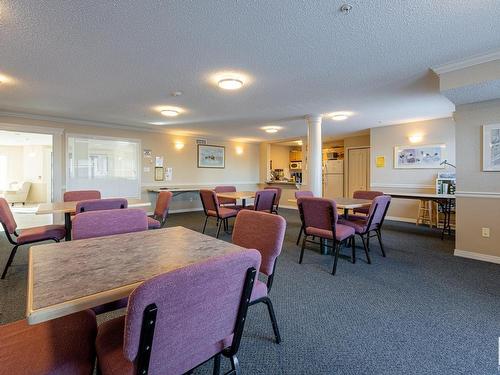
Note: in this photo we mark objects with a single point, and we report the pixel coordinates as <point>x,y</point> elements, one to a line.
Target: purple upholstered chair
<point>61,346</point>
<point>365,194</point>
<point>161,210</point>
<point>226,201</point>
<point>81,195</point>
<point>302,194</point>
<point>371,225</point>
<point>105,223</point>
<point>28,235</point>
<point>264,200</point>
<point>319,219</point>
<point>212,208</point>
<point>180,319</point>
<point>100,204</point>
<point>264,232</point>
<point>277,198</point>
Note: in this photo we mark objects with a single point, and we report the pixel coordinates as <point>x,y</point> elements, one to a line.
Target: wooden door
<point>358,170</point>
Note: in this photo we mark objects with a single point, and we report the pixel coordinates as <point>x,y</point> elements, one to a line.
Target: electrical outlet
<point>485,232</point>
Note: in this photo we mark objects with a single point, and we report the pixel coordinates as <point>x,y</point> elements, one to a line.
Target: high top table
<point>69,208</point>
<point>67,277</point>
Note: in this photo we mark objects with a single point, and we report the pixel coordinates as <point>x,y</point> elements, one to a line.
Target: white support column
<point>314,157</point>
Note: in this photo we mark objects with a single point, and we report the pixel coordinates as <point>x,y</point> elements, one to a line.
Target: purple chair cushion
<point>303,194</point>
<point>262,231</point>
<point>359,225</point>
<point>6,216</point>
<point>60,346</point>
<point>316,212</point>
<point>378,210</point>
<point>224,212</point>
<point>341,232</point>
<point>45,232</point>
<point>278,194</point>
<point>264,200</point>
<point>209,200</point>
<point>365,194</point>
<point>162,204</point>
<point>104,223</point>
<point>81,195</point>
<point>197,309</point>
<point>259,290</point>
<point>100,204</point>
<point>226,189</point>
<point>153,224</point>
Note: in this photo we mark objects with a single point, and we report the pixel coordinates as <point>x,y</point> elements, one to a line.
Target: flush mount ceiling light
<point>169,112</point>
<point>230,84</point>
<point>340,116</point>
<point>271,129</point>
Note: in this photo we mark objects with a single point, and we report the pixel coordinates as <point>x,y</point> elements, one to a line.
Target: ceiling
<point>113,62</point>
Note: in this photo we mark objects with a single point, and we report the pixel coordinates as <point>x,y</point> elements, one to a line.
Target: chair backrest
<point>262,231</point>
<point>319,213</point>
<point>105,223</point>
<point>303,194</point>
<point>264,200</point>
<point>6,217</point>
<point>378,210</point>
<point>278,194</point>
<point>225,189</point>
<point>81,195</point>
<point>101,204</point>
<point>197,310</point>
<point>162,204</point>
<point>365,194</point>
<point>209,200</point>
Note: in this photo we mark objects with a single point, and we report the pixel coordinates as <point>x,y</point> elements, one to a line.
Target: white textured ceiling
<point>112,61</point>
<point>480,92</point>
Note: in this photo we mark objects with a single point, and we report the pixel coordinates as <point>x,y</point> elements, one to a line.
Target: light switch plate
<point>485,232</point>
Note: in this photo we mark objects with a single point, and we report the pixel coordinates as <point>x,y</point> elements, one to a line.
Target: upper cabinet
<point>295,155</point>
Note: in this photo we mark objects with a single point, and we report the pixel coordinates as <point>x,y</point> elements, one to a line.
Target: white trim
<point>403,186</point>
<point>477,194</point>
<point>30,128</point>
<point>403,219</point>
<point>477,256</point>
<point>466,63</point>
<point>189,184</point>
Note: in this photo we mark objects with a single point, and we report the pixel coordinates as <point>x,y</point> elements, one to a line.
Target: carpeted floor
<point>419,311</point>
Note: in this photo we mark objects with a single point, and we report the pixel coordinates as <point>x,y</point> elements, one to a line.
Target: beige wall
<point>241,170</point>
<point>280,156</point>
<point>478,192</point>
<point>389,179</point>
<point>470,75</point>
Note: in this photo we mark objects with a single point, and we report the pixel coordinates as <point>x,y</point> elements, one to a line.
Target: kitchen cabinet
<point>295,155</point>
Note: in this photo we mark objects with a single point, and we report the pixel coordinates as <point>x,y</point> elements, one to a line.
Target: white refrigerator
<point>333,179</point>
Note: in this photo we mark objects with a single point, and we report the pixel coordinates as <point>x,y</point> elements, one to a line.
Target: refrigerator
<point>333,178</point>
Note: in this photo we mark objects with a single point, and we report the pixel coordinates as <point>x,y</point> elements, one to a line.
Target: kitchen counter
<point>282,183</point>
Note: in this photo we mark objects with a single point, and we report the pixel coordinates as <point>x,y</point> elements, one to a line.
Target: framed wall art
<point>210,156</point>
<point>419,157</point>
<point>491,148</point>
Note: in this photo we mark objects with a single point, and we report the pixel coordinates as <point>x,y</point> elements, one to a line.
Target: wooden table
<point>243,195</point>
<point>347,204</point>
<point>69,208</point>
<point>445,201</point>
<point>67,277</point>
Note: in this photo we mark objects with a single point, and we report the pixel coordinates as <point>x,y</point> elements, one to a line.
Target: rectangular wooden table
<point>69,208</point>
<point>243,195</point>
<point>68,277</point>
<point>346,204</point>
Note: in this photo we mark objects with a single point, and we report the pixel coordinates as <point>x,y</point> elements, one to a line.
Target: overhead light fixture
<point>158,123</point>
<point>339,116</point>
<point>271,129</point>
<point>169,112</point>
<point>230,84</point>
<point>299,142</point>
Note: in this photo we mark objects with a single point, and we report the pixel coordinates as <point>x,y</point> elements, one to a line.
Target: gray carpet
<point>418,311</point>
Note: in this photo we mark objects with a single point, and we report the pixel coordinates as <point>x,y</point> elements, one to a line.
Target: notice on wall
<point>380,161</point>
<point>159,161</point>
<point>168,174</point>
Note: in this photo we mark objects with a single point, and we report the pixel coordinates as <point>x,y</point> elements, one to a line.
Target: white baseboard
<point>403,219</point>
<point>477,256</point>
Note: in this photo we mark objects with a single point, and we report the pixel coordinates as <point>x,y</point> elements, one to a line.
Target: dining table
<point>242,195</point>
<point>68,277</point>
<point>69,209</point>
<point>346,204</point>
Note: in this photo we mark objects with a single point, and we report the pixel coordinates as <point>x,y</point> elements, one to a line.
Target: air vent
<point>201,141</point>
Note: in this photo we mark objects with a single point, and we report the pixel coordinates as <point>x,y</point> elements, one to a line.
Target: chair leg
<point>379,236</point>
<point>366,250</point>
<point>216,370</point>
<point>9,261</point>
<point>219,224</point>
<point>302,249</point>
<point>235,366</point>
<point>368,242</point>
<point>353,246</point>
<point>336,250</point>
<point>204,225</point>
<point>274,322</point>
<point>300,235</point>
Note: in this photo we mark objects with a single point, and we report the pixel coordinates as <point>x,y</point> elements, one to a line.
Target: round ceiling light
<point>271,129</point>
<point>339,117</point>
<point>230,84</point>
<point>169,112</point>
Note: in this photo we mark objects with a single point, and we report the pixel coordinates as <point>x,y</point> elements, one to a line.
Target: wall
<point>241,170</point>
<point>280,156</point>
<point>388,179</point>
<point>478,192</point>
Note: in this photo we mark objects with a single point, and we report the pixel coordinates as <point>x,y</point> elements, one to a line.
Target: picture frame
<point>211,156</point>
<point>420,156</point>
<point>158,173</point>
<point>491,148</point>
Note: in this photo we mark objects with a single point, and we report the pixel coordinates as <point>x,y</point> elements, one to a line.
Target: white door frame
<point>57,150</point>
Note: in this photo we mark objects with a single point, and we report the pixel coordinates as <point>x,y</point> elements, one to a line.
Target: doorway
<point>358,169</point>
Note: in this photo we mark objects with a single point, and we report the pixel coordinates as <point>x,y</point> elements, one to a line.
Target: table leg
<point>346,213</point>
<point>67,225</point>
<point>243,203</point>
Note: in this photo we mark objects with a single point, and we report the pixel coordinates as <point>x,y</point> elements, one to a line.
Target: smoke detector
<point>346,9</point>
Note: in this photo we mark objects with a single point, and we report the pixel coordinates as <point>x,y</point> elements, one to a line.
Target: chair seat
<point>153,223</point>
<point>358,224</point>
<point>42,233</point>
<point>109,348</point>
<point>60,346</point>
<point>259,290</point>
<point>342,232</point>
<point>224,212</point>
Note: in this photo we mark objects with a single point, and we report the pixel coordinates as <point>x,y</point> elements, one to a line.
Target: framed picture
<point>210,156</point>
<point>491,148</point>
<point>419,157</point>
<point>158,173</point>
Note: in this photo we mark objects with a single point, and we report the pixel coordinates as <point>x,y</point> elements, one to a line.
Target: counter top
<point>282,183</point>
